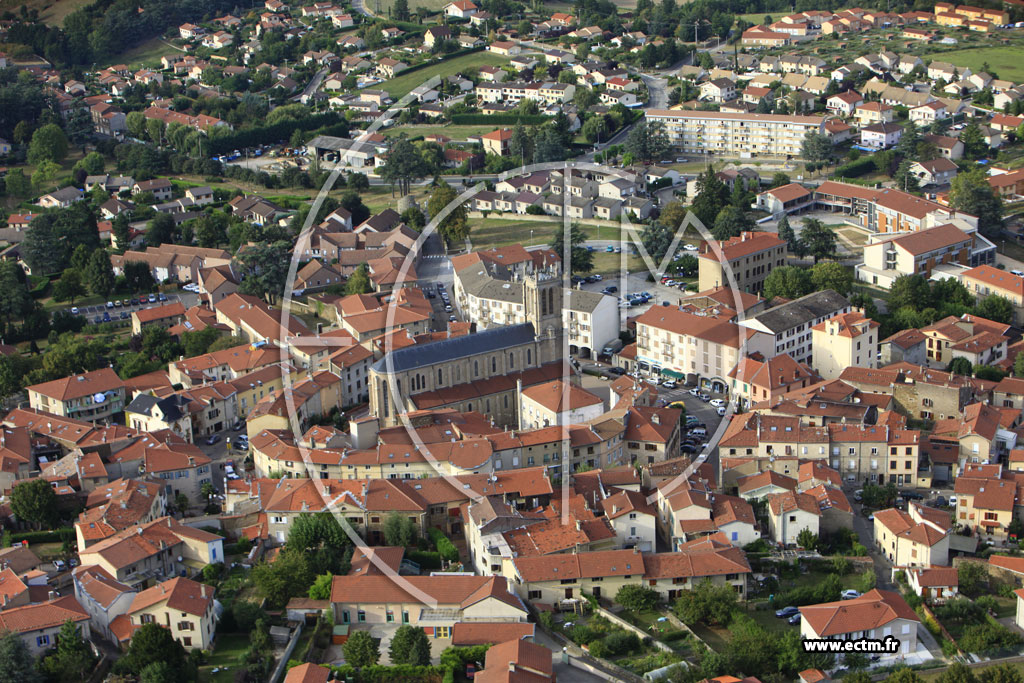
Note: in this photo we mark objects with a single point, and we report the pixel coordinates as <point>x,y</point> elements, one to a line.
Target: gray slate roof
<point>803,310</point>
<point>422,355</point>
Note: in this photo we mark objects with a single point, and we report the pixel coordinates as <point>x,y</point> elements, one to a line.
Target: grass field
<point>401,85</point>
<point>227,651</point>
<point>499,232</point>
<point>1007,62</point>
<point>52,12</point>
<point>456,133</point>
<point>146,54</point>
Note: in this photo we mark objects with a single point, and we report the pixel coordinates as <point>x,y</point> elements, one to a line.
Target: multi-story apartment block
<point>734,134</point>
<point>790,323</point>
<point>842,341</point>
<point>92,396</point>
<point>917,253</point>
<point>749,258</point>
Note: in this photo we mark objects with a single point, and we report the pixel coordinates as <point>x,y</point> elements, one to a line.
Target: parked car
<point>106,317</point>
<point>858,495</point>
<point>849,594</point>
<point>117,303</point>
<point>911,495</point>
<point>690,247</point>
<point>669,384</point>
<point>721,410</point>
<point>212,439</point>
<point>680,404</point>
<point>161,296</point>
<point>794,620</point>
<point>617,371</point>
<point>695,392</point>
<point>940,502</point>
<point>110,304</point>
<point>74,310</point>
<point>716,402</point>
<point>786,612</point>
<point>699,431</point>
<point>610,289</point>
<point>705,397</point>
<point>60,565</point>
<point>125,315</point>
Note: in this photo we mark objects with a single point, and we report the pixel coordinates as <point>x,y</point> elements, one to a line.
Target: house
<point>91,396</point>
<point>873,112</point>
<point>556,403</point>
<point>877,614</point>
<point>497,141</point>
<point>61,199</point>
<point>790,513</point>
<point>844,103</point>
<point>505,48</point>
<point>160,187</point>
<point>183,606</point>
<point>436,35</point>
<point>785,199</point>
<point>935,584</point>
<point>461,9</point>
<point>38,625</point>
<point>918,538</point>
<point>929,112</point>
<point>842,341</point>
<point>880,135</point>
<point>940,171</point>
<point>517,660</point>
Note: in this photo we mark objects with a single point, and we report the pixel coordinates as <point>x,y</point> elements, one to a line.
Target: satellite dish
<point>99,398</point>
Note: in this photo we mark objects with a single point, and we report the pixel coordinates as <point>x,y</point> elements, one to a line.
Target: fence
<point>282,665</point>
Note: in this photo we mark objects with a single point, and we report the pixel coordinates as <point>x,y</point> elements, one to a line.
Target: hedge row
<point>386,674</point>
<point>426,559</point>
<point>53,536</point>
<point>499,119</point>
<point>445,548</point>
<point>273,133</point>
<point>856,168</point>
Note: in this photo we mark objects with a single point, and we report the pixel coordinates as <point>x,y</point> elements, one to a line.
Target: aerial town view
<point>507,341</point>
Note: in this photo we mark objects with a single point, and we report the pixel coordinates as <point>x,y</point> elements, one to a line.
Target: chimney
<point>51,595</point>
<point>202,589</point>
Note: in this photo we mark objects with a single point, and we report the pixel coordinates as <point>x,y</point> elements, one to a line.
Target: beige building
<point>789,513</point>
<point>38,625</point>
<point>842,341</point>
<point>986,280</point>
<point>916,253</point>
<point>877,614</point>
<point>557,403</point>
<point>183,606</point>
<point>734,134</point>
<point>749,258</point>
<point>91,396</point>
<point>919,538</point>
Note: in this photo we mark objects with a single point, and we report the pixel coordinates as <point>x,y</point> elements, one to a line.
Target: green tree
<point>636,597</point>
<point>400,10</point>
<point>995,307</point>
<point>160,230</point>
<point>974,143</point>
<point>361,649</point>
<point>1001,673</point>
<point>909,291</point>
<point>402,165</point>
<point>673,215</point>
<point>786,232</point>
<point>958,672</point>
<point>818,240</point>
<point>321,588</point>
<point>264,270</point>
<point>121,229</point>
<point>38,248</point>
<point>154,643</point>
<point>454,227</point>
<point>707,603</point>
<point>832,275</point>
<point>711,196</point>
<point>17,665</point>
<point>288,577</point>
<point>34,501</point>
<point>359,281</point>
<point>904,675</point>
<point>970,192</point>
<point>788,282</point>
<point>582,258</point>
<point>905,178</point>
<point>48,144</point>
<point>17,184</point>
<point>399,530</point>
<point>410,646</point>
<point>72,659</point>
<point>807,539</point>
<point>855,661</point>
<point>595,129</point>
<point>15,300</point>
<point>135,122</point>
<point>867,580</point>
<point>99,273</point>
<point>323,541</point>
<point>816,147</point>
<point>1018,365</point>
<point>647,141</point>
<point>731,221</point>
<point>971,577</point>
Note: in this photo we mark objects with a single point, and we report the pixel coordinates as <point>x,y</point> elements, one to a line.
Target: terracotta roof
<point>181,595</point>
<point>552,395</point>
<point>43,615</point>
<point>936,576</point>
<point>485,633</point>
<point>1013,564</point>
<point>580,565</point>
<point>785,502</point>
<point>78,386</point>
<point>767,478</point>
<point>696,563</point>
<point>874,609</point>
<point>997,279</point>
<point>307,673</point>
<point>517,661</point>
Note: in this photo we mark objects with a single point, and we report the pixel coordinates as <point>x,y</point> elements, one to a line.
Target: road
<point>312,86</point>
<point>360,6</point>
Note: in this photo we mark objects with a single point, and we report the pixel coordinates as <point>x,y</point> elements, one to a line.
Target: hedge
<point>499,119</point>
<point>273,133</point>
<point>426,559</point>
<point>38,285</point>
<point>445,548</point>
<point>53,536</point>
<point>856,168</point>
<point>386,674</point>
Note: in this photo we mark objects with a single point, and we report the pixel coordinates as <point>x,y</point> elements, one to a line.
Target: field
<point>456,133</point>
<point>52,12</point>
<point>145,54</point>
<point>227,650</point>
<point>1007,62</point>
<point>401,85</point>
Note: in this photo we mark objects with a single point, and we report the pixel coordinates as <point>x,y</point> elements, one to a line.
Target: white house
<point>878,614</point>
<point>790,513</point>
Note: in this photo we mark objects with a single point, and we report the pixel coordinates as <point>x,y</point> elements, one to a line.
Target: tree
<point>72,659</point>
<point>17,665</point>
<point>121,230</point>
<point>288,577</point>
<point>910,138</point>
<point>905,178</point>
<point>674,214</point>
<point>636,597</point>
<point>819,240</point>
<point>595,129</point>
<point>970,192</point>
<point>909,291</point>
<point>38,248</point>
<point>399,530</point>
<point>359,281</point>
<point>1018,365</point>
<point>35,502</point>
<point>995,307</point>
<point>1000,673</point>
<point>160,230</point>
<point>521,144</point>
<point>99,273</point>
<point>958,672</point>
<point>832,275</point>
<point>154,643</point>
<point>807,539</point>
<point>48,144</point>
<point>321,538</point>
<point>400,10</point>
<point>647,141</point>
<point>974,143</point>
<point>904,675</point>
<point>656,239</point>
<point>971,576</point>
<point>402,165</point>
<point>730,222</point>
<point>786,232</point>
<point>321,588</point>
<point>410,646</point>
<point>135,122</point>
<point>361,649</point>
<point>353,203</point>
<point>707,603</point>
<point>712,195</point>
<point>867,580</point>
<point>816,147</point>
<point>582,258</point>
<point>855,661</point>
<point>454,227</point>
<point>15,300</point>
<point>17,184</point>
<point>788,282</point>
<point>264,270</point>
<point>138,277</point>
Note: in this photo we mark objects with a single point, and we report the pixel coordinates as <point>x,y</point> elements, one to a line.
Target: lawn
<point>226,655</point>
<point>145,54</point>
<point>498,232</point>
<point>51,12</point>
<point>456,133</point>
<point>400,85</point>
<point>1007,61</point>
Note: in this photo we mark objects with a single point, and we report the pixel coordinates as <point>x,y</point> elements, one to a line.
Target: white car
<point>849,594</point>
<point>695,392</point>
<point>690,247</point>
<point>1018,273</point>
<point>721,411</point>
<point>717,402</point>
<point>669,384</point>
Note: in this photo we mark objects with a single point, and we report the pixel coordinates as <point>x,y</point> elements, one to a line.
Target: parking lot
<point>124,307</point>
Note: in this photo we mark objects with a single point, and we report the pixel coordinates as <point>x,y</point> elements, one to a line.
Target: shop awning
<point>673,374</point>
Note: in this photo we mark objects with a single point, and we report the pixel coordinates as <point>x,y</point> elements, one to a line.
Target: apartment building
<point>735,134</point>
<point>917,253</point>
<point>749,258</point>
<point>888,210</point>
<point>183,606</point>
<point>842,341</point>
<point>697,348</point>
<point>91,396</point>
<point>916,538</point>
<point>986,280</point>
<point>790,323</point>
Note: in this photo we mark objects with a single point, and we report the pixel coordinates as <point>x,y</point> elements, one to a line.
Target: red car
<point>470,670</point>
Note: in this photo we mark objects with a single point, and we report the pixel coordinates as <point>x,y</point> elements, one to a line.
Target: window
<point>361,616</point>
<point>43,641</point>
<point>534,595</point>
<point>405,616</point>
<point>390,617</point>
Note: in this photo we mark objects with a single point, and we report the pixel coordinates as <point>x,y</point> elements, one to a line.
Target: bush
<point>424,558</point>
<point>445,548</point>
<point>636,597</point>
<point>856,168</point>
<point>53,536</point>
<point>621,642</point>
